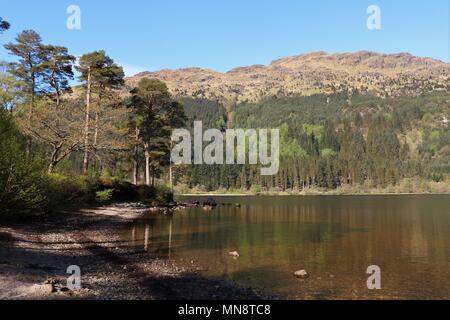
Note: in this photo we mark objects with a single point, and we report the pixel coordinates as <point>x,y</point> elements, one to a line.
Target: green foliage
<point>255,189</point>
<point>292,150</point>
<point>11,91</point>
<point>28,50</point>
<point>327,153</point>
<point>104,195</point>
<point>220,124</point>
<point>21,179</point>
<point>73,189</point>
<point>101,69</point>
<point>57,70</point>
<point>4,25</point>
<point>313,130</point>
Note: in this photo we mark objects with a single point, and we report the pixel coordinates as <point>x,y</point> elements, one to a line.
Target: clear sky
<point>152,35</point>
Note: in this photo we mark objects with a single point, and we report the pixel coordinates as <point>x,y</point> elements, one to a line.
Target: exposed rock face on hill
<point>318,72</point>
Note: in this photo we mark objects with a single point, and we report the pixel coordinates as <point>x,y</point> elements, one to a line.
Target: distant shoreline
<point>305,195</point>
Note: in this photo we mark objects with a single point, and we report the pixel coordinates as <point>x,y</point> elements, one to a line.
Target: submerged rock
<point>192,205</point>
<point>170,205</point>
<point>302,274</point>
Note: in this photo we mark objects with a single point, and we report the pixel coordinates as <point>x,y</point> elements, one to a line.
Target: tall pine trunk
<point>94,143</point>
<point>147,164</point>
<point>136,157</point>
<point>86,125</point>
<point>30,112</point>
<point>170,166</point>
<point>153,176</point>
<point>96,121</point>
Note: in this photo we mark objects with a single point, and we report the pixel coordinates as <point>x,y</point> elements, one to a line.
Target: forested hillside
<point>330,141</point>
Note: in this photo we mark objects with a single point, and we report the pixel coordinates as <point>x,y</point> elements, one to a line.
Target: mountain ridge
<point>380,74</point>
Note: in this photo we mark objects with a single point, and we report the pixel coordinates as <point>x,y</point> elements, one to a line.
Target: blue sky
<point>152,35</point>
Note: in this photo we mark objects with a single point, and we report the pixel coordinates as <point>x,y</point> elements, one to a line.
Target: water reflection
<point>146,234</point>
<point>170,237</point>
<point>334,238</point>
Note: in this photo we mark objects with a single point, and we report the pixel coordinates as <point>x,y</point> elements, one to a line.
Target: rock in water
<point>210,202</point>
<point>234,254</point>
<point>302,274</point>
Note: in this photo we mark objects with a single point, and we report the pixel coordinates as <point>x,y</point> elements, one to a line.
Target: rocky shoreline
<point>35,257</point>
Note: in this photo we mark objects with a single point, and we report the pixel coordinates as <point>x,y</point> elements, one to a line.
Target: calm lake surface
<point>334,238</point>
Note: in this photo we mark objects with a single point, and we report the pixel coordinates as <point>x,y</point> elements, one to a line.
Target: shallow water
<point>335,239</point>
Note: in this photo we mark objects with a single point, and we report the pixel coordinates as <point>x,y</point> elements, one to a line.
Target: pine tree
<point>148,98</point>
<point>99,73</point>
<point>28,49</point>
<point>57,71</point>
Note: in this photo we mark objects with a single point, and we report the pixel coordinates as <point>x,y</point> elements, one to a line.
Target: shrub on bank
<point>55,191</point>
<point>61,189</point>
<point>122,191</point>
<point>104,196</point>
<point>21,183</point>
<point>84,190</point>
